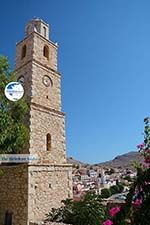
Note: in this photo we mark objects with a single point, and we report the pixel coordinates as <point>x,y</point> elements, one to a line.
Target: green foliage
<point>14,134</point>
<point>128,178</point>
<point>114,189</point>
<point>88,210</point>
<point>141,216</point>
<point>120,187</point>
<point>105,193</point>
<point>138,214</point>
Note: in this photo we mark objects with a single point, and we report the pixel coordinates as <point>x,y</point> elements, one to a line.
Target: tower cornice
<point>47,109</point>
<point>43,38</point>
<point>40,64</point>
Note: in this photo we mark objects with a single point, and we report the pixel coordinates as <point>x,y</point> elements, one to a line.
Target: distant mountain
<point>125,161</point>
<point>73,161</point>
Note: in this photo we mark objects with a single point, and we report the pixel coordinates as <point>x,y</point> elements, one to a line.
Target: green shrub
<point>105,193</point>
<point>114,189</point>
<point>87,211</point>
<point>120,187</point>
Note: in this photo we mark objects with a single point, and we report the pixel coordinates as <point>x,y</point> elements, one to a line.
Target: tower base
<point>28,192</point>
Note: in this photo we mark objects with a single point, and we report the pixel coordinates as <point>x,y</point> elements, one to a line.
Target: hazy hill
<point>124,160</point>
<point>73,161</point>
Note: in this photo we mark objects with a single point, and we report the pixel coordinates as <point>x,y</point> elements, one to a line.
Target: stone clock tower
<point>28,191</point>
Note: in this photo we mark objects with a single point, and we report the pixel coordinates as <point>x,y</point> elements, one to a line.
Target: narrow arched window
<point>24,50</point>
<point>8,218</point>
<point>48,137</point>
<point>44,28</point>
<point>21,80</point>
<point>46,51</point>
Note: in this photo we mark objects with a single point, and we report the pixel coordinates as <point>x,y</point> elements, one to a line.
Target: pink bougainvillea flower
<point>147,159</point>
<point>140,146</point>
<point>114,211</point>
<point>146,165</point>
<point>147,150</point>
<point>108,222</point>
<point>137,202</point>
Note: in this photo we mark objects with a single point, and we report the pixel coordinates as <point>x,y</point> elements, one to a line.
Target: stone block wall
<point>42,122</point>
<point>23,72</point>
<point>47,96</point>
<point>29,192</point>
<point>28,41</point>
<point>14,193</point>
<point>48,185</point>
<point>39,43</point>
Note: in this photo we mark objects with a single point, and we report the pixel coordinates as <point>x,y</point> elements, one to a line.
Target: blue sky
<point>104,59</point>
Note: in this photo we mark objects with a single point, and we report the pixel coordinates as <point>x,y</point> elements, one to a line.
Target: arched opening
<point>24,50</point>
<point>48,137</point>
<point>46,52</point>
<point>44,28</point>
<point>8,218</point>
<point>21,80</point>
<point>35,28</point>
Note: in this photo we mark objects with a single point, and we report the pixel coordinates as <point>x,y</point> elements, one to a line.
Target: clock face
<point>47,81</point>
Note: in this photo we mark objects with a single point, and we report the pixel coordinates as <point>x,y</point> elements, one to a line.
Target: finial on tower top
<point>38,25</point>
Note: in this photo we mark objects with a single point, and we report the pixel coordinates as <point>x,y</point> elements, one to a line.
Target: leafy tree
<point>128,178</point>
<point>114,189</point>
<point>14,133</point>
<point>88,210</point>
<point>105,193</point>
<point>120,187</point>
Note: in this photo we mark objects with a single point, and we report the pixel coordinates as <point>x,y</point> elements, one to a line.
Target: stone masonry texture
<point>14,193</point>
